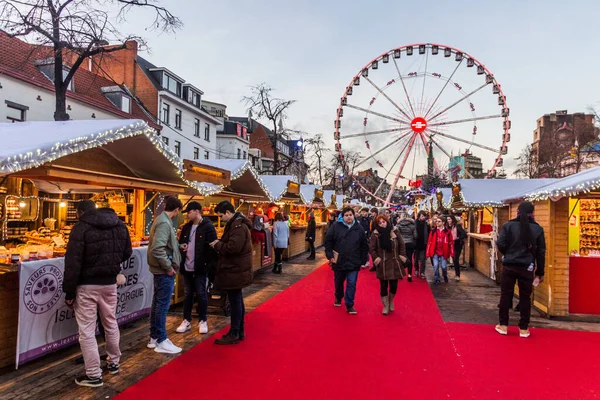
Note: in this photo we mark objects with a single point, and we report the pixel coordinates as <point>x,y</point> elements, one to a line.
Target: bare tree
<point>316,152</point>
<point>526,163</point>
<point>263,105</point>
<point>341,171</point>
<point>72,31</point>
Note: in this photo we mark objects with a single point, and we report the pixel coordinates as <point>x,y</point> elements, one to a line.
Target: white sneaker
<point>184,327</point>
<point>203,327</point>
<point>152,343</point>
<point>166,346</point>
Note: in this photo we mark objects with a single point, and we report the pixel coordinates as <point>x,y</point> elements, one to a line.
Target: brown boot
<point>386,305</point>
<point>391,301</point>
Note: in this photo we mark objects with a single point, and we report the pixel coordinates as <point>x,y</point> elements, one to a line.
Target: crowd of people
<point>393,244</point>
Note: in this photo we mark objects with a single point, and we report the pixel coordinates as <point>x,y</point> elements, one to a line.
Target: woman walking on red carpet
<point>387,248</point>
<point>441,247</point>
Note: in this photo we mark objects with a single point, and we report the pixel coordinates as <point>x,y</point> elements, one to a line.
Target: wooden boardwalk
<point>52,377</point>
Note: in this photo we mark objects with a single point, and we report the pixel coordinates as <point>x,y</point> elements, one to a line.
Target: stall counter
<point>482,248</point>
<point>298,243</point>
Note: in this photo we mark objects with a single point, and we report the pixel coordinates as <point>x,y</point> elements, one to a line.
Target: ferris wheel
<point>422,109</point>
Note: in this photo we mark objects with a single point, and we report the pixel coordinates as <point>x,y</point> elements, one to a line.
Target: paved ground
<point>472,300</point>
<point>475,300</point>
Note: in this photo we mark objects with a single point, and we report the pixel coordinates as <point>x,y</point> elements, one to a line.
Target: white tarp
<point>46,324</point>
<point>307,193</point>
<point>277,184</point>
<point>492,192</point>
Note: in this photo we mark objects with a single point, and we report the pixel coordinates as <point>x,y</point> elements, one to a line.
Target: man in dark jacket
<point>365,221</point>
<point>98,244</point>
<point>311,235</point>
<point>522,242</point>
<point>408,230</point>
<point>234,270</point>
<point>198,258</point>
<point>422,228</point>
<point>347,250</point>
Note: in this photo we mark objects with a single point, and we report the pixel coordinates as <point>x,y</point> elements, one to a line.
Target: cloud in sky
<point>544,53</point>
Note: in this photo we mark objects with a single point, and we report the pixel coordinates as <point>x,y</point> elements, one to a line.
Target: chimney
<point>118,66</point>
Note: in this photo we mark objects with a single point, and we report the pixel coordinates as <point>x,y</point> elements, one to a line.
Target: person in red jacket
<point>440,247</point>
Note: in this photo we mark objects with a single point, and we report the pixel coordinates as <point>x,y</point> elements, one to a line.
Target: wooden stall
<point>569,211</point>
<point>67,162</point>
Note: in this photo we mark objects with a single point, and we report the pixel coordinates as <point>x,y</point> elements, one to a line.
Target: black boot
<point>279,267</point>
<point>230,338</point>
<point>274,270</point>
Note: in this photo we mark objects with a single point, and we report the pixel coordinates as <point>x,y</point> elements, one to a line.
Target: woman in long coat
<point>387,248</point>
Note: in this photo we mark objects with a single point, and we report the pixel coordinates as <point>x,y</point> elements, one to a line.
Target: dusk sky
<point>543,53</point>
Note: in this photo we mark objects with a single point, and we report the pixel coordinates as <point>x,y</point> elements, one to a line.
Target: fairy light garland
<point>568,191</point>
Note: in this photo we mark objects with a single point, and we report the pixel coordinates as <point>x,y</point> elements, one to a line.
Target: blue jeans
<point>350,277</point>
<point>163,291</point>
<point>437,260</point>
<point>194,283</point>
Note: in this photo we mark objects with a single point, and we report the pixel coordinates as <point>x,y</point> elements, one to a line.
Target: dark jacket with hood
<point>205,257</point>
<point>365,222</point>
<point>98,244</point>
<point>422,229</point>
<point>514,250</point>
<point>350,243</point>
<point>234,270</point>
<point>408,230</point>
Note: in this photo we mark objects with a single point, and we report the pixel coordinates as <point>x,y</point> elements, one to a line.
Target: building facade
<point>176,104</point>
<point>232,141</point>
<point>27,89</point>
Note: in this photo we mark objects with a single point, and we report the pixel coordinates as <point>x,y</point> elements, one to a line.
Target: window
<point>239,153</point>
<point>165,140</point>
<point>177,147</point>
<point>121,101</point>
<point>48,70</point>
<point>177,118</point>
<point>166,110</point>
<point>196,127</point>
<point>15,112</point>
<point>193,98</point>
<point>206,155</point>
<point>245,155</point>
<point>171,84</point>
<point>207,132</point>
<point>196,153</point>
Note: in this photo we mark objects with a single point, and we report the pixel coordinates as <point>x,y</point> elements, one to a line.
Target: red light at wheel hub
<point>418,124</point>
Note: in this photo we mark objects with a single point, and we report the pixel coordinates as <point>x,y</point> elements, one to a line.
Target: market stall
<point>246,191</point>
<point>45,168</point>
<point>568,208</point>
<point>483,213</point>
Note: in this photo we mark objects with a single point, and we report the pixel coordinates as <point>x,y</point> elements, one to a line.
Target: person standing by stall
<point>198,258</point>
<point>440,248</point>
<point>458,236</point>
<point>98,244</point>
<point>386,247</point>
<point>408,231</point>
<point>164,260</point>
<point>347,249</point>
<point>234,270</point>
<point>311,233</point>
<point>523,245</point>
<point>281,237</point>
<point>422,228</point>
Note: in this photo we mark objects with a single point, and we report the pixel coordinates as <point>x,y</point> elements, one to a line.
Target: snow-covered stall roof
<point>307,193</point>
<point>493,192</point>
<point>244,179</point>
<point>339,200</point>
<point>582,182</point>
<point>277,184</point>
<point>327,196</point>
<point>28,145</point>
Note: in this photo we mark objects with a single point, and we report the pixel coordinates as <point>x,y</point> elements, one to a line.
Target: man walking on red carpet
<point>347,250</point>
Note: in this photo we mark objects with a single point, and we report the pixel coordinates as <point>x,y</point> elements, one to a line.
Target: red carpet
<point>301,347</point>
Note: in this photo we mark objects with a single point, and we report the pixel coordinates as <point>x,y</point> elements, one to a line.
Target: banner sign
<point>46,324</point>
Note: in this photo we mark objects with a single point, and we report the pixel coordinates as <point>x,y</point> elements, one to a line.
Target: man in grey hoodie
<point>164,259</point>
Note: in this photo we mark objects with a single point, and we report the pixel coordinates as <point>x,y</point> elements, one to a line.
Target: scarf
<point>385,237</point>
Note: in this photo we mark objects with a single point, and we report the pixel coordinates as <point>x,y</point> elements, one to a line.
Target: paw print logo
<point>45,286</point>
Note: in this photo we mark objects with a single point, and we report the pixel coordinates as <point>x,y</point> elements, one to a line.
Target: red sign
<point>415,184</point>
<point>244,132</point>
<point>418,124</point>
<point>239,130</point>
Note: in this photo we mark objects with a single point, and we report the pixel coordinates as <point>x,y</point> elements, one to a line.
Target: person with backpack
<point>458,236</point>
<point>440,248</point>
<point>523,245</point>
<point>408,230</point>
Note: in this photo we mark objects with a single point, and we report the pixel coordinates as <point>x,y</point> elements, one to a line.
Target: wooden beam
<point>197,172</point>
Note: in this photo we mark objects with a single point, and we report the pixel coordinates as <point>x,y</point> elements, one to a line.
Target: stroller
<point>217,298</point>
